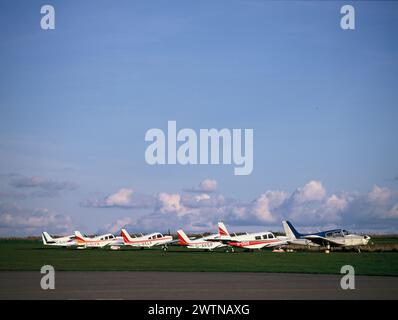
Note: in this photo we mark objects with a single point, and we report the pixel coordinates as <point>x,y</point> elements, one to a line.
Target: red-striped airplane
<point>98,241</point>
<point>206,243</point>
<point>257,240</point>
<point>146,241</point>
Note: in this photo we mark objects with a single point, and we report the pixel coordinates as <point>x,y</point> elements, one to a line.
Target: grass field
<point>30,255</point>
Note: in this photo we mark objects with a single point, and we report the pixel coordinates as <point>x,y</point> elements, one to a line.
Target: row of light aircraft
<point>222,239</point>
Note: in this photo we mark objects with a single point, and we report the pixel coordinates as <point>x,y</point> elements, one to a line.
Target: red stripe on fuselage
<point>251,243</point>
<point>148,240</point>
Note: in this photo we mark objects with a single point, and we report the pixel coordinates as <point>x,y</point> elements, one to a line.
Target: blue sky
<point>75,103</point>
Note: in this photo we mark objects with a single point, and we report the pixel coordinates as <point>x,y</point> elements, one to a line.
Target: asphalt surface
<point>193,285</point>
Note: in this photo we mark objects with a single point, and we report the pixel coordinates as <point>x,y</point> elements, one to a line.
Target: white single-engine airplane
<point>206,243</point>
<point>328,239</point>
<point>257,240</point>
<point>98,241</point>
<point>67,241</point>
<point>146,241</point>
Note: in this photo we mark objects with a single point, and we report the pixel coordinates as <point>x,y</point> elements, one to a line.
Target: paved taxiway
<point>193,285</point>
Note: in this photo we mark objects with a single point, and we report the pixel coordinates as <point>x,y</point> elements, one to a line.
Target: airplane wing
<point>174,243</point>
<point>322,241</point>
<point>222,240</point>
<point>171,243</point>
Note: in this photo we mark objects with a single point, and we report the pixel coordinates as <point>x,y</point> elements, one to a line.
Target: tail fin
<point>46,238</point>
<point>79,237</point>
<point>184,240</point>
<point>290,231</point>
<point>222,230</point>
<point>126,236</point>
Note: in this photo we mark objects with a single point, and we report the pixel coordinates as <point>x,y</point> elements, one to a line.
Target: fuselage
<point>204,243</point>
<point>341,237</point>
<point>58,242</point>
<point>257,240</point>
<point>99,241</point>
<point>149,240</point>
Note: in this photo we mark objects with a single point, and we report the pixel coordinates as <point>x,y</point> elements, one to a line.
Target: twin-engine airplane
<point>257,240</point>
<point>205,243</point>
<point>329,238</point>
<point>98,241</point>
<point>147,241</point>
<point>67,241</point>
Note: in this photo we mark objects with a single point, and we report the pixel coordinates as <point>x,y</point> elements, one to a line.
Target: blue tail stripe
<point>297,234</point>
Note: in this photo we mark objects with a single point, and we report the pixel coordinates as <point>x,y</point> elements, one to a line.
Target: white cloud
<point>268,201</point>
<point>19,221</point>
<point>202,196</point>
<point>171,203</point>
<point>312,191</point>
<point>336,203</point>
<point>379,194</point>
<point>308,206</point>
<point>122,198</point>
<point>206,186</point>
<point>119,224</point>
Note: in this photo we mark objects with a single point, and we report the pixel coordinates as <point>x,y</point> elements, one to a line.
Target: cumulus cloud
<point>379,194</point>
<point>309,206</point>
<point>312,191</point>
<point>119,224</point>
<point>171,203</point>
<point>206,186</point>
<point>125,198</point>
<point>121,198</point>
<point>268,201</point>
<point>15,220</point>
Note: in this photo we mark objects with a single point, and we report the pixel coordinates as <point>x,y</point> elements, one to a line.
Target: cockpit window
<point>159,235</point>
<point>265,236</point>
<point>345,233</point>
<point>271,236</point>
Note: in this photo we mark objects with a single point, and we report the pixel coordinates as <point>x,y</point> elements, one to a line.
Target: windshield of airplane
<point>345,233</point>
